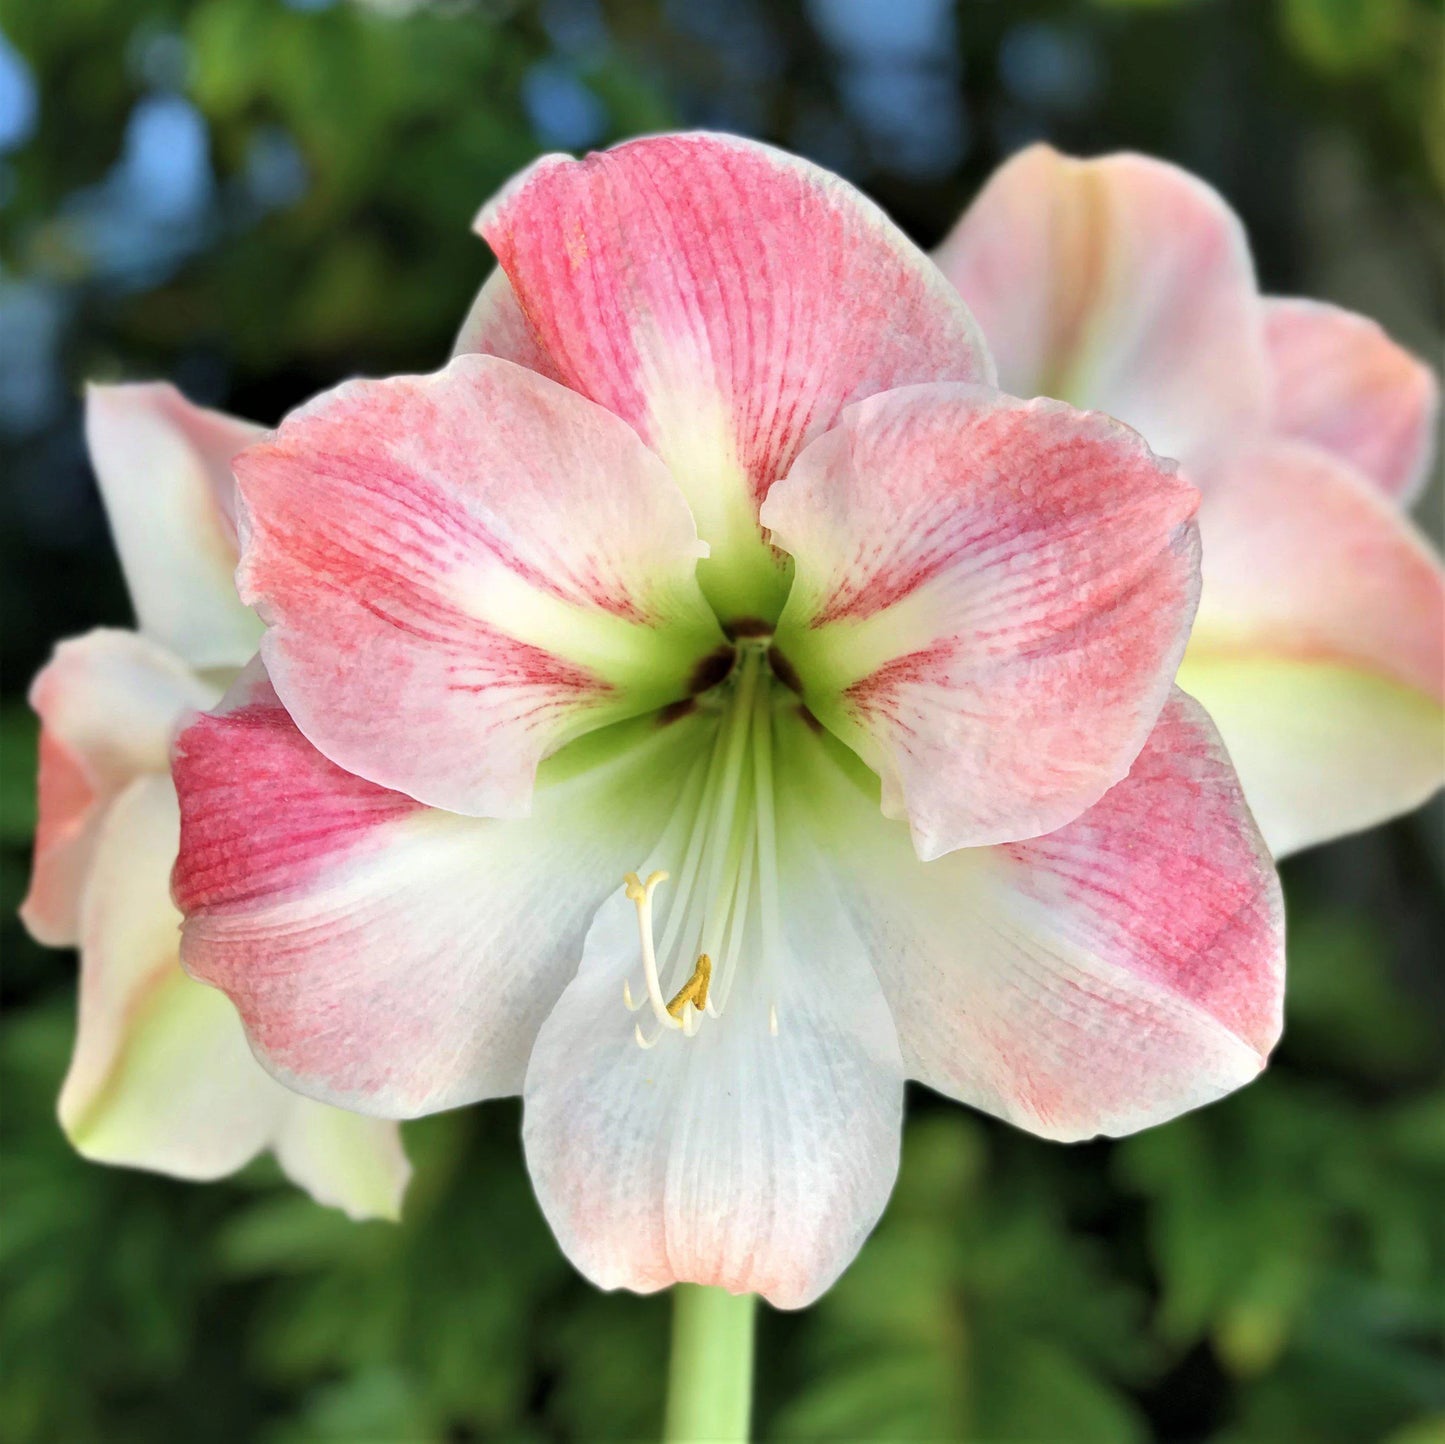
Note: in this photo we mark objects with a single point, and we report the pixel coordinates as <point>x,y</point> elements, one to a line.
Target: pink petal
<point>386,957</point>
<point>1121,283</point>
<point>164,468</point>
<point>1101,979</point>
<point>1304,558</point>
<point>744,1158</point>
<point>991,597</point>
<point>1320,644</point>
<point>161,1077</point>
<point>107,703</point>
<point>1343,384</point>
<point>728,300</point>
<point>497,326</point>
<point>462,572</point>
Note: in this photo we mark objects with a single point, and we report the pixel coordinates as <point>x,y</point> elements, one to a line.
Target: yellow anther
<point>693,991</point>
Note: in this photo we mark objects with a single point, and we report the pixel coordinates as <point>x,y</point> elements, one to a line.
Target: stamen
<point>640,893</point>
<point>728,867</point>
<point>693,993</point>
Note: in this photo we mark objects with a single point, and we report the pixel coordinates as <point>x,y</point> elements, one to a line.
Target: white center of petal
<point>723,914</point>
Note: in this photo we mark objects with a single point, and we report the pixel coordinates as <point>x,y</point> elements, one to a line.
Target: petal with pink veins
<point>161,1077</point>
<point>990,600</point>
<point>107,703</point>
<point>462,572</point>
<point>164,468</point>
<point>1101,979</point>
<point>497,326</point>
<point>1319,647</point>
<point>755,1156</point>
<point>1343,384</point>
<point>728,301</point>
<point>384,956</point>
<point>1123,284</point>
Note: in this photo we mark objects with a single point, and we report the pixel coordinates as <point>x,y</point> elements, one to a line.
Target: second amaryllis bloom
<point>161,1077</point>
<point>1126,283</point>
<point>715,624</point>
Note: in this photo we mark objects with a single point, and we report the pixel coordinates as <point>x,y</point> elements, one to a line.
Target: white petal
<point>161,1076</point>
<point>164,468</point>
<point>342,1159</point>
<point>742,1158</point>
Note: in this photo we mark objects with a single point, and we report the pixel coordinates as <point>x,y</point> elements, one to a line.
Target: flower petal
<point>341,1159</point>
<point>752,1161</point>
<point>1309,568</point>
<point>728,300</point>
<point>1322,750</point>
<point>384,956</point>
<point>1121,283</point>
<point>1343,384</point>
<point>1098,980</point>
<point>462,572</point>
<point>161,1077</point>
<point>108,702</point>
<point>1304,557</point>
<point>497,326</point>
<point>164,468</point>
<point>990,600</point>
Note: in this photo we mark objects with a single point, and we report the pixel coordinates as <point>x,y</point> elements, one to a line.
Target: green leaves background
<point>1271,1270</point>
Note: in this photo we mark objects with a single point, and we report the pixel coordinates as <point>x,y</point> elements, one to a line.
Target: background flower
<point>161,1076</point>
<point>1319,648</point>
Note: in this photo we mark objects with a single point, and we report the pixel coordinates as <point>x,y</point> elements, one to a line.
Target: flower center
<point>726,901</point>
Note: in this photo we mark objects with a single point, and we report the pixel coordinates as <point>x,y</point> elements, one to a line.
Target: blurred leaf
<point>1289,1232</point>
<point>19,730</point>
<point>1420,1431</point>
<point>1345,1006</point>
<point>974,1312</point>
<point>1346,35</point>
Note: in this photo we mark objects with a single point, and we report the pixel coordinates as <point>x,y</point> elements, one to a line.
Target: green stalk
<point>710,1379</point>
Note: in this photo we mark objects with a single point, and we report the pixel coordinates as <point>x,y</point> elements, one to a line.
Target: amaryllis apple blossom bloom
<point>1319,649</point>
<point>704,704</point>
<point>161,1077</point>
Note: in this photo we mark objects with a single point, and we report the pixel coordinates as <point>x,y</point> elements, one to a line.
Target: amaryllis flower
<point>1319,650</point>
<point>161,1077</point>
<point>707,703</point>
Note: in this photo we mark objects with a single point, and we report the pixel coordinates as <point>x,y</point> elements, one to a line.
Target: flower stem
<point>710,1381</point>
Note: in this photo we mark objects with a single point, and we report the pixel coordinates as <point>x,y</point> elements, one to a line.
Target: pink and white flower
<point>1319,650</point>
<point>714,622</point>
<point>161,1076</point>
